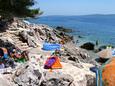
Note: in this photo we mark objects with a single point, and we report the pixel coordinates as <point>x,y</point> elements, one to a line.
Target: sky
<point>76,7</point>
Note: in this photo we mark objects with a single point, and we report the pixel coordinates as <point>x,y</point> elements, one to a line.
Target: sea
<point>91,28</point>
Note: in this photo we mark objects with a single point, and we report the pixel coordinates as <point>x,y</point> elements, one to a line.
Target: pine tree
<point>18,8</point>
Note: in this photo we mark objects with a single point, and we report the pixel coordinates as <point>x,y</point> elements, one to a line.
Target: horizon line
<point>77,15</point>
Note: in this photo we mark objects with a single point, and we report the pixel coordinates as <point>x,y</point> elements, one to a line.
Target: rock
<point>3,26</point>
<point>91,81</point>
<point>102,47</point>
<point>27,75</point>
<point>72,58</point>
<point>74,54</point>
<point>88,46</point>
<point>80,36</point>
<point>56,79</point>
<point>81,75</point>
<point>7,44</point>
<point>40,32</point>
<point>4,81</point>
<point>63,29</point>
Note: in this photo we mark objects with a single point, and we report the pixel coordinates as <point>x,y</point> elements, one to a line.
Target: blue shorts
<point>5,56</point>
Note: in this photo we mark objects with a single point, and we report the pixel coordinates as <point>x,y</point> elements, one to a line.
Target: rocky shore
<point>75,61</point>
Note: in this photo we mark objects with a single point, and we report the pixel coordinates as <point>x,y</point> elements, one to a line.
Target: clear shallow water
<point>92,27</point>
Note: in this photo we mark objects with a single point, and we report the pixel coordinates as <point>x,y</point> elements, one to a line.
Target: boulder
<point>80,36</point>
<point>27,75</point>
<point>82,76</point>
<point>4,81</point>
<point>57,79</point>
<point>88,46</point>
<point>72,53</point>
<point>102,47</point>
<point>63,29</point>
<point>91,81</point>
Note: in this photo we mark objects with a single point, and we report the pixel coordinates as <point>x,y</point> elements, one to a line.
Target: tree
<point>18,8</point>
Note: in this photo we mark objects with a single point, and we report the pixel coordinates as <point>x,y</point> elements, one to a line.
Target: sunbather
<point>15,55</point>
<point>19,56</point>
<point>4,58</point>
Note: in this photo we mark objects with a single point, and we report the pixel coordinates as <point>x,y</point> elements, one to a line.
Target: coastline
<point>73,58</point>
<point>101,30</point>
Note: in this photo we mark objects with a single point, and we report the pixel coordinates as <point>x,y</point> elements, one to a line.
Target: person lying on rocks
<point>4,58</point>
<point>15,55</point>
<point>18,56</point>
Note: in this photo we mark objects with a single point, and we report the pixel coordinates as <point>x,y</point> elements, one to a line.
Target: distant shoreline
<point>82,15</point>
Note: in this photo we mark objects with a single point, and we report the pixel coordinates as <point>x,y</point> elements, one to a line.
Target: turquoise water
<point>91,27</point>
